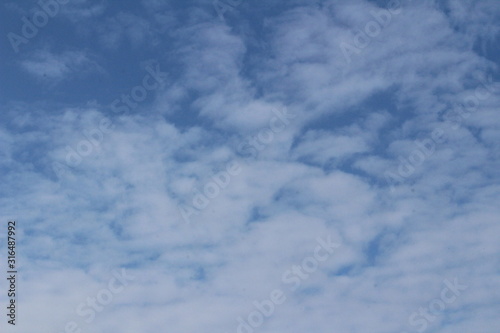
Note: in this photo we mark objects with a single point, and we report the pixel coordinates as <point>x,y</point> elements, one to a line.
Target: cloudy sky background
<point>339,167</point>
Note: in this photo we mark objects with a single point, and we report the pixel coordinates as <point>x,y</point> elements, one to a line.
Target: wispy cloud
<point>314,137</point>
<point>53,67</point>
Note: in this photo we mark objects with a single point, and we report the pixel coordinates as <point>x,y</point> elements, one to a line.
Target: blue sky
<point>243,166</point>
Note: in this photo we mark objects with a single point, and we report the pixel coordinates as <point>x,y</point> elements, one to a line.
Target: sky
<point>239,166</point>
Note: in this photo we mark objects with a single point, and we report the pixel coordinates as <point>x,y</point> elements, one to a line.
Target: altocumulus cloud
<point>418,252</point>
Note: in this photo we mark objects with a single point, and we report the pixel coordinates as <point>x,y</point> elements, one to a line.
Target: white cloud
<point>323,175</point>
<point>58,67</point>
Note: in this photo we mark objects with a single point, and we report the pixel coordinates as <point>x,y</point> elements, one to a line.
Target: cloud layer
<point>272,132</point>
